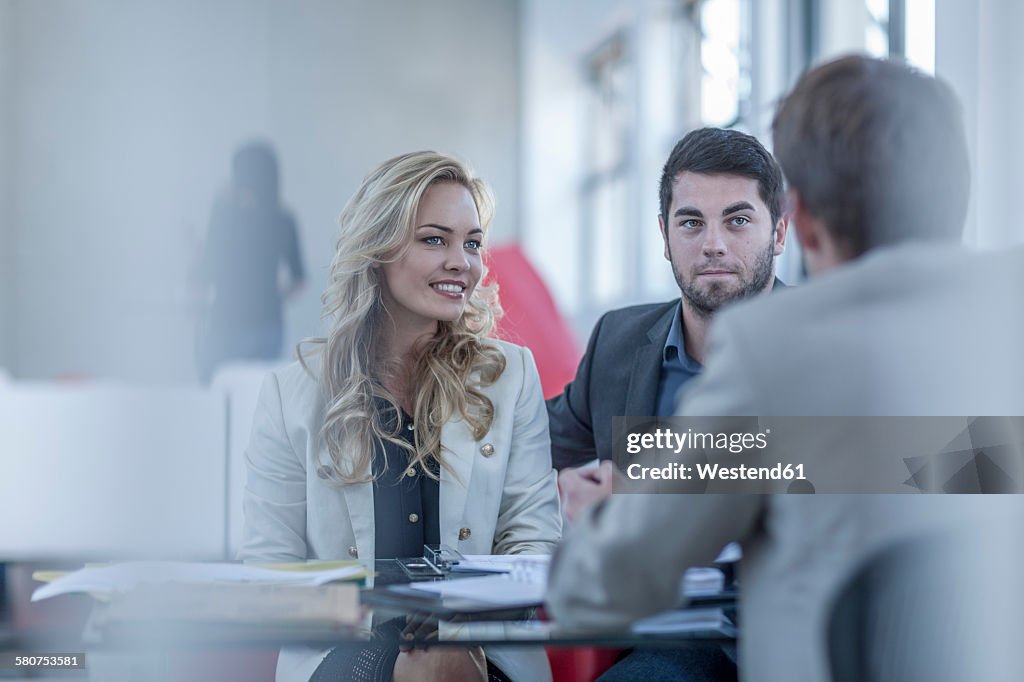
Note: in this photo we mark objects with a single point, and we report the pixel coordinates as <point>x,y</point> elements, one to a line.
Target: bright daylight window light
<point>920,45</point>
<point>720,61</point>
<point>876,33</point>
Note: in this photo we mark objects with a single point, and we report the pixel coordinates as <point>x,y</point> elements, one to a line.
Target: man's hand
<point>582,487</point>
<point>441,665</point>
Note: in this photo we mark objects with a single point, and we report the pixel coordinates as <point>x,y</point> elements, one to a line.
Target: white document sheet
<point>684,620</point>
<point>502,589</point>
<point>123,577</point>
<point>500,563</point>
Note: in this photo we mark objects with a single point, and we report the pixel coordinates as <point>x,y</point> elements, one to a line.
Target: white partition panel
<point>111,472</point>
<point>240,384</point>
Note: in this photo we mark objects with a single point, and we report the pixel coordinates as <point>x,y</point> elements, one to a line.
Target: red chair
<point>578,664</point>
<point>532,319</point>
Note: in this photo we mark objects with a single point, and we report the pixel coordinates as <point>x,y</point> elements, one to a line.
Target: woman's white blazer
<point>500,496</point>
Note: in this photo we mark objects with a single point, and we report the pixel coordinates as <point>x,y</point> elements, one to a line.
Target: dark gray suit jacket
<point>617,376</point>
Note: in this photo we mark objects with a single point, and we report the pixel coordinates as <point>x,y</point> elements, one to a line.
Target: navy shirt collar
<point>674,352</point>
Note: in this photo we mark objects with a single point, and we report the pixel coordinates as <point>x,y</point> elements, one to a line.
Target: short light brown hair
<point>877,150</point>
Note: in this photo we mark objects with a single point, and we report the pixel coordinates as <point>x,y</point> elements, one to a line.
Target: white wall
<point>101,472</point>
<point>978,52</point>
<point>6,230</point>
<point>123,116</point>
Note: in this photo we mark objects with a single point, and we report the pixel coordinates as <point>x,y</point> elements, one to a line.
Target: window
<point>606,246</point>
<point>667,69</point>
<point>725,62</point>
<point>902,28</point>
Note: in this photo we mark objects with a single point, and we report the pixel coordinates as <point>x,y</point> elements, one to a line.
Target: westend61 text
<point>716,472</point>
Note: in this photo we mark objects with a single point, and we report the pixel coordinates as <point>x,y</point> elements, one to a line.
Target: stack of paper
<point>502,590</point>
<point>500,563</point>
<point>127,576</point>
<point>686,620</point>
<point>702,582</point>
<point>521,580</point>
<point>252,605</point>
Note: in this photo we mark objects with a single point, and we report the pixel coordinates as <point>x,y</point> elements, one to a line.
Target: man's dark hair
<point>715,150</point>
<point>877,151</point>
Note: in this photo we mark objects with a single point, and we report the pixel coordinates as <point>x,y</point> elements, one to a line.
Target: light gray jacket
<point>913,330</point>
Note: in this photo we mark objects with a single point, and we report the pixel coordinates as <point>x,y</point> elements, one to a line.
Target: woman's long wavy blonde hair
<point>377,226</point>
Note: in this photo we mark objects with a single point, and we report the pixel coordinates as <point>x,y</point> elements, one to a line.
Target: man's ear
<point>781,229</point>
<point>808,228</point>
<point>664,237</point>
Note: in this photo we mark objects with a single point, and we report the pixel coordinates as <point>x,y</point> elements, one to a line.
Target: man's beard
<point>707,300</point>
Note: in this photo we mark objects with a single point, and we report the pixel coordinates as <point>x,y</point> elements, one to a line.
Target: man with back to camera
<point>898,319</point>
<point>721,219</point>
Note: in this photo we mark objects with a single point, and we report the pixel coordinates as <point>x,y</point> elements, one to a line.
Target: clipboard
<point>405,599</point>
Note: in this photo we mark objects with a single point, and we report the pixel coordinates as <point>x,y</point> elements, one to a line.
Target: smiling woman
<point>396,429</point>
<point>434,275</point>
<point>415,224</point>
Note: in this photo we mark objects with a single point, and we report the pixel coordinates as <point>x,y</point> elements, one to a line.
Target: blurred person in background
<point>406,425</point>
<point>251,263</point>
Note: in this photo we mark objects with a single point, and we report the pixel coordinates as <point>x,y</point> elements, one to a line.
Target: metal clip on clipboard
<point>437,562</point>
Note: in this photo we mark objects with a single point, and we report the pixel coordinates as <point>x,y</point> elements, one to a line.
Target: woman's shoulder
<point>519,363</point>
<point>297,383</point>
<point>515,355</point>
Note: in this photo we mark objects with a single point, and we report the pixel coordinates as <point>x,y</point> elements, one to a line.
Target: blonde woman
<point>406,424</point>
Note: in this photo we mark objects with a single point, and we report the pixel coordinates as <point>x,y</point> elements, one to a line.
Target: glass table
<point>438,624</point>
<point>154,646</point>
